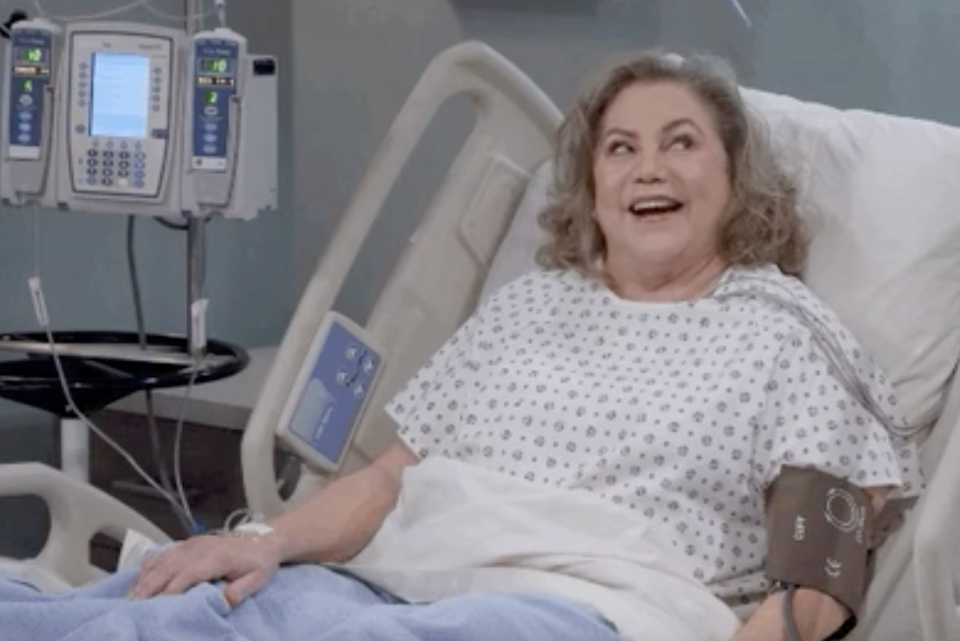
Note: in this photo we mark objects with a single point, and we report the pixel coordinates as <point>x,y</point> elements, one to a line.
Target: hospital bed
<point>880,194</point>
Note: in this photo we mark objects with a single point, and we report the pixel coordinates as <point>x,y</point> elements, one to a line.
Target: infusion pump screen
<point>120,95</point>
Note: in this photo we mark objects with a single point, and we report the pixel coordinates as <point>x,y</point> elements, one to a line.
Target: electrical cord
<point>109,13</point>
<point>789,620</point>
<point>183,514</point>
<point>174,18</point>
<point>43,319</point>
<point>830,347</point>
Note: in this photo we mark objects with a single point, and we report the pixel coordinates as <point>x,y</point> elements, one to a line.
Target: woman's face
<point>662,181</point>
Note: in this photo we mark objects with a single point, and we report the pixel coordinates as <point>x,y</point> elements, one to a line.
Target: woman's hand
<point>246,564</point>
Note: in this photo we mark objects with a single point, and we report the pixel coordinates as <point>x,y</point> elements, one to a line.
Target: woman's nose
<point>648,168</point>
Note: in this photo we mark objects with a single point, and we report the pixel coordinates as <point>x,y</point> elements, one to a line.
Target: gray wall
<point>357,60</point>
<point>83,260</point>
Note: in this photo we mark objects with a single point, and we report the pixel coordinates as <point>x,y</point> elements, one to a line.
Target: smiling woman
<point>656,135</point>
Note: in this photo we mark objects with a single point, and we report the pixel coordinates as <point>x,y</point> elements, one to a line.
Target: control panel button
<point>26,116</point>
<point>211,111</point>
<point>26,101</point>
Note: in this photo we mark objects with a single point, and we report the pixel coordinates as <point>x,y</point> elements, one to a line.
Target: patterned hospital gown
<point>683,412</point>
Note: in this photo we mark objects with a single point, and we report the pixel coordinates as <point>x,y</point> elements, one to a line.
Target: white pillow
<point>882,196</point>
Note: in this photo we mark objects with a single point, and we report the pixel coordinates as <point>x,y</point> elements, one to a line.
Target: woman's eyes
<point>619,147</point>
<point>682,142</point>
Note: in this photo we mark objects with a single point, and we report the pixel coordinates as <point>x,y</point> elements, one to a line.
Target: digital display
<point>120,95</point>
<point>214,65</point>
<point>207,81</point>
<point>26,70</point>
<point>31,54</point>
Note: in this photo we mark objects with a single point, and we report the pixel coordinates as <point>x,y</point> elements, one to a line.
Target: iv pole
<point>195,235</point>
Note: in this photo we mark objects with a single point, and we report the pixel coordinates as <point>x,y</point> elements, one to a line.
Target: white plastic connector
<point>198,320</point>
<point>39,304</point>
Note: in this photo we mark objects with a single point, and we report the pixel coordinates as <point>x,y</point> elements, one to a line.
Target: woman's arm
<point>334,525</point>
<point>817,616</point>
<point>340,520</point>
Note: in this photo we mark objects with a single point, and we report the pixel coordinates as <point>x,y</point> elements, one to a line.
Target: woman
<point>650,364</point>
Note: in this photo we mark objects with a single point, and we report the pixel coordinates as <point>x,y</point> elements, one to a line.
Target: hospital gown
<point>682,412</point>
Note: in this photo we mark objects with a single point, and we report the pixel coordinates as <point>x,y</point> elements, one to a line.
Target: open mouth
<point>659,206</point>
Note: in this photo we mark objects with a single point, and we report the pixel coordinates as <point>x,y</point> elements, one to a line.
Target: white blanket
<point>461,529</point>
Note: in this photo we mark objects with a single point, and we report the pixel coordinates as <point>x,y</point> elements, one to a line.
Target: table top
<point>226,404</point>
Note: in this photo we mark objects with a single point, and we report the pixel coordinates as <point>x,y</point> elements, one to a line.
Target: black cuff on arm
<point>818,532</point>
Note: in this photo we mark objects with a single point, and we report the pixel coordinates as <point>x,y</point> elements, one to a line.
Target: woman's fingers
<point>175,570</point>
<point>246,565</point>
<point>243,586</point>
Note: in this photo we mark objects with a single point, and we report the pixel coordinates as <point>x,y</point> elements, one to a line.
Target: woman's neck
<point>664,285</point>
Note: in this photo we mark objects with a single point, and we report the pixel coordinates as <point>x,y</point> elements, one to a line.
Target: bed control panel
<point>330,394</point>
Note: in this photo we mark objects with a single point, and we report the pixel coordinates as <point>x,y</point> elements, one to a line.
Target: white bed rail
<point>429,293</point>
<point>924,554</point>
<point>78,512</point>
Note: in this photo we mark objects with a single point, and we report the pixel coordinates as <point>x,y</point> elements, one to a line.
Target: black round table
<point>99,369</point>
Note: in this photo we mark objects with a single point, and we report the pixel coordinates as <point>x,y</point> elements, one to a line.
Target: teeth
<point>647,205</point>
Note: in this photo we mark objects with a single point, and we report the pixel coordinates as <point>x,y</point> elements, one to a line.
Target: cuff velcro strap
<point>818,532</point>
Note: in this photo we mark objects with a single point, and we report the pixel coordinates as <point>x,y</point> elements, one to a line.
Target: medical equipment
<point>463,243</point>
<point>138,120</point>
<point>819,529</point>
<point>135,119</point>
<point>330,394</point>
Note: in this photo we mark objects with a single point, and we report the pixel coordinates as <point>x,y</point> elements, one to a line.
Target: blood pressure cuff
<point>818,533</point>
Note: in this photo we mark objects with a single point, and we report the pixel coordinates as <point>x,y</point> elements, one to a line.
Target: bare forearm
<point>337,523</point>
<point>817,617</point>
